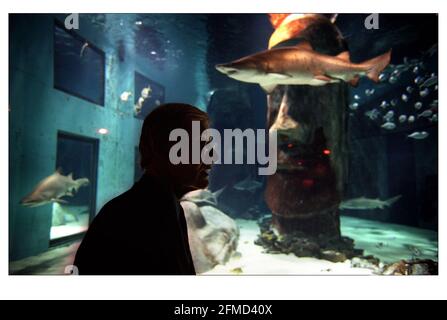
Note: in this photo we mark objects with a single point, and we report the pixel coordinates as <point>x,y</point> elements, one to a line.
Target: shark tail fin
<point>376,65</point>
<point>354,81</point>
<point>268,88</point>
<point>217,193</point>
<point>390,201</point>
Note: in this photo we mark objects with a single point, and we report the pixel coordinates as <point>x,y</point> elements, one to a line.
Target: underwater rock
<point>333,256</point>
<point>367,262</point>
<point>413,267</point>
<point>335,249</point>
<point>213,236</point>
<point>203,196</point>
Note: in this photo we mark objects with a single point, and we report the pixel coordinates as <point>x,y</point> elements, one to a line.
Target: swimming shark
<point>363,203</point>
<point>248,184</point>
<point>203,197</point>
<point>301,65</point>
<point>52,188</point>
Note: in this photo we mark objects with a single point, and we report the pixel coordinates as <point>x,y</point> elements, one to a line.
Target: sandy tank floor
<point>388,242</point>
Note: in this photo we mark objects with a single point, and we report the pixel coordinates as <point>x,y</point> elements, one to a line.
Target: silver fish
<point>424,93</point>
<point>388,125</point>
<point>392,79</point>
<point>394,102</point>
<point>388,116</point>
<point>430,81</point>
<point>402,118</point>
<point>418,80</point>
<point>404,97</point>
<point>354,106</point>
<point>411,119</point>
<point>383,77</point>
<point>301,65</point>
<point>384,104</point>
<point>434,104</point>
<point>363,203</point>
<point>418,105</point>
<point>425,114</point>
<point>372,114</point>
<point>418,135</point>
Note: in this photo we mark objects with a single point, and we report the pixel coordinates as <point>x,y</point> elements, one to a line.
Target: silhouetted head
<point>155,146</point>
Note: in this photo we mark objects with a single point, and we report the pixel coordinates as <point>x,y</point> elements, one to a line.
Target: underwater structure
<point>305,192</point>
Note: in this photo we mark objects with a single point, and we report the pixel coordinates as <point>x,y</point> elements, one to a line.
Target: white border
<point>216,287</point>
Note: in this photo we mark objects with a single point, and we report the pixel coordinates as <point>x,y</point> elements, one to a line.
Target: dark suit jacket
<point>141,232</point>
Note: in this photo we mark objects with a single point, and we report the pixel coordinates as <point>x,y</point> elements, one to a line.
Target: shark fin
<point>59,200</point>
<point>268,88</point>
<point>334,17</point>
<point>323,77</point>
<point>344,56</point>
<point>304,45</point>
<point>376,65</point>
<point>217,193</point>
<point>355,81</point>
<point>390,201</point>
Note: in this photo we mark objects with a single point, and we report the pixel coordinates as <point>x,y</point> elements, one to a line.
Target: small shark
<point>301,65</point>
<point>52,188</point>
<point>248,185</point>
<point>203,197</point>
<point>363,203</point>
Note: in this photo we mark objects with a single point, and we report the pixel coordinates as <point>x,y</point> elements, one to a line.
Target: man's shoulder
<point>138,198</point>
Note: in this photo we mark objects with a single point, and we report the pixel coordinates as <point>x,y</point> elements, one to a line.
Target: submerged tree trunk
<point>304,193</point>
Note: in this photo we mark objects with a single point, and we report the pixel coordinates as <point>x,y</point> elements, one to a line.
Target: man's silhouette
<point>143,231</point>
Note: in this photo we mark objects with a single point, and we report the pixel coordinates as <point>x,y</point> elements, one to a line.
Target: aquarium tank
<point>345,106</point>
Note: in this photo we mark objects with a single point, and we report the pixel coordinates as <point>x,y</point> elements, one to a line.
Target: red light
<point>307,183</point>
<point>289,145</point>
<point>327,152</point>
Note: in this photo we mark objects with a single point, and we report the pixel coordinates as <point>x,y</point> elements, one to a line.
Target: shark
<point>203,197</point>
<point>52,189</point>
<point>363,203</point>
<point>301,65</point>
<point>248,184</point>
